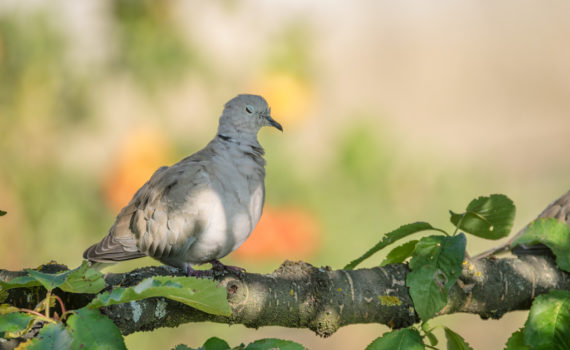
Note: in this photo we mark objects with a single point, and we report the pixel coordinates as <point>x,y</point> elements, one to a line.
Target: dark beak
<point>273,123</point>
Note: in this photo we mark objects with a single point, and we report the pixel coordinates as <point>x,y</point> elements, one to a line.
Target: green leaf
<point>428,330</point>
<point>455,341</point>
<point>487,217</point>
<point>516,341</point>
<point>20,282</point>
<point>436,265</point>
<point>8,309</point>
<point>92,330</point>
<point>400,253</point>
<point>201,294</point>
<point>48,280</point>
<point>552,233</point>
<point>432,338</point>
<point>272,343</point>
<point>2,212</point>
<point>548,323</point>
<point>83,280</point>
<point>52,336</point>
<point>80,280</point>
<point>185,347</point>
<point>429,297</point>
<point>15,322</point>
<point>392,237</point>
<point>400,339</point>
<point>215,343</point>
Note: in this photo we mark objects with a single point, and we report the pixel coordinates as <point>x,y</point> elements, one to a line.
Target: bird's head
<point>245,115</point>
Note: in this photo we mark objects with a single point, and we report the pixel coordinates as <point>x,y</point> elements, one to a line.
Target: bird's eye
<point>249,109</point>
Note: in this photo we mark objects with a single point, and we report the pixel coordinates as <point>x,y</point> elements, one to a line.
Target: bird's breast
<point>230,211</point>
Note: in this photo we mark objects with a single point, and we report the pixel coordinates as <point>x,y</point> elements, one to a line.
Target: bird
<point>203,207</point>
<point>559,209</point>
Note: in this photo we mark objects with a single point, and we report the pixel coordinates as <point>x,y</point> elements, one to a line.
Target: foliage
<point>201,294</point>
<point>516,342</point>
<point>455,341</point>
<point>391,237</point>
<point>215,343</point>
<point>552,233</point>
<point>487,217</point>
<point>400,253</point>
<point>401,339</point>
<point>436,263</point>
<point>548,323</point>
<point>547,326</point>
<point>81,280</point>
<point>87,327</point>
<point>90,329</point>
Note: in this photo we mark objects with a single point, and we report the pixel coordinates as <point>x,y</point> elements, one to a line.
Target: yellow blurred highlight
<point>290,98</point>
<point>142,152</point>
<point>389,300</point>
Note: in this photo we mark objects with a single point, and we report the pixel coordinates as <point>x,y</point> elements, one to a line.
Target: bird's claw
<point>190,272</point>
<point>218,266</point>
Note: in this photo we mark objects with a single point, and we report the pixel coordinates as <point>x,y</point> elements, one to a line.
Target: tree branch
<point>303,296</point>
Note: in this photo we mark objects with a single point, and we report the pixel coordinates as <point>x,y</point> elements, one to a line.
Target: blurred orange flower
<point>282,233</point>
<point>142,152</point>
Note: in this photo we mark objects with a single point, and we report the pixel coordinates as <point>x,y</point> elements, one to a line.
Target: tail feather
<point>111,250</point>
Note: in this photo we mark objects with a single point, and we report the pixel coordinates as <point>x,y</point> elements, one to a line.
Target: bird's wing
<point>120,243</point>
<point>167,215</point>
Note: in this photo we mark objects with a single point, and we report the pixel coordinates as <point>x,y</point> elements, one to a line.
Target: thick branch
<point>302,296</point>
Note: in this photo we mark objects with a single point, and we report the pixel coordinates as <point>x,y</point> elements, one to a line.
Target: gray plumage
<point>203,207</point>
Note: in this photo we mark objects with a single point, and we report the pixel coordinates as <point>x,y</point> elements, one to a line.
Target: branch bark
<point>303,296</point>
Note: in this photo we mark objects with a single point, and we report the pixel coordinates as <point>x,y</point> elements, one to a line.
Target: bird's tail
<point>111,250</point>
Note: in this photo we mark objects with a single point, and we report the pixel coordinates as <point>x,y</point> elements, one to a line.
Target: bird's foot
<point>190,272</point>
<point>218,266</point>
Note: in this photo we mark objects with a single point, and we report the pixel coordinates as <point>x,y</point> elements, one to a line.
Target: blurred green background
<point>393,112</point>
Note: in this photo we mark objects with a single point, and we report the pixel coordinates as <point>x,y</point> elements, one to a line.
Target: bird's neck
<point>240,145</point>
<point>239,140</point>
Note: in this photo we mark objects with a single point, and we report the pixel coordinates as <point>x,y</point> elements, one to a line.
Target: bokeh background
<point>393,112</point>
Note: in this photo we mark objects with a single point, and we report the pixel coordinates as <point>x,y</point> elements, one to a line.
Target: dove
<point>203,207</point>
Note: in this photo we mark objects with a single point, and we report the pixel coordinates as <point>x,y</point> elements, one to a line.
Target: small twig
<point>459,224</point>
<point>60,303</point>
<point>47,299</point>
<point>39,315</point>
<point>64,315</point>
